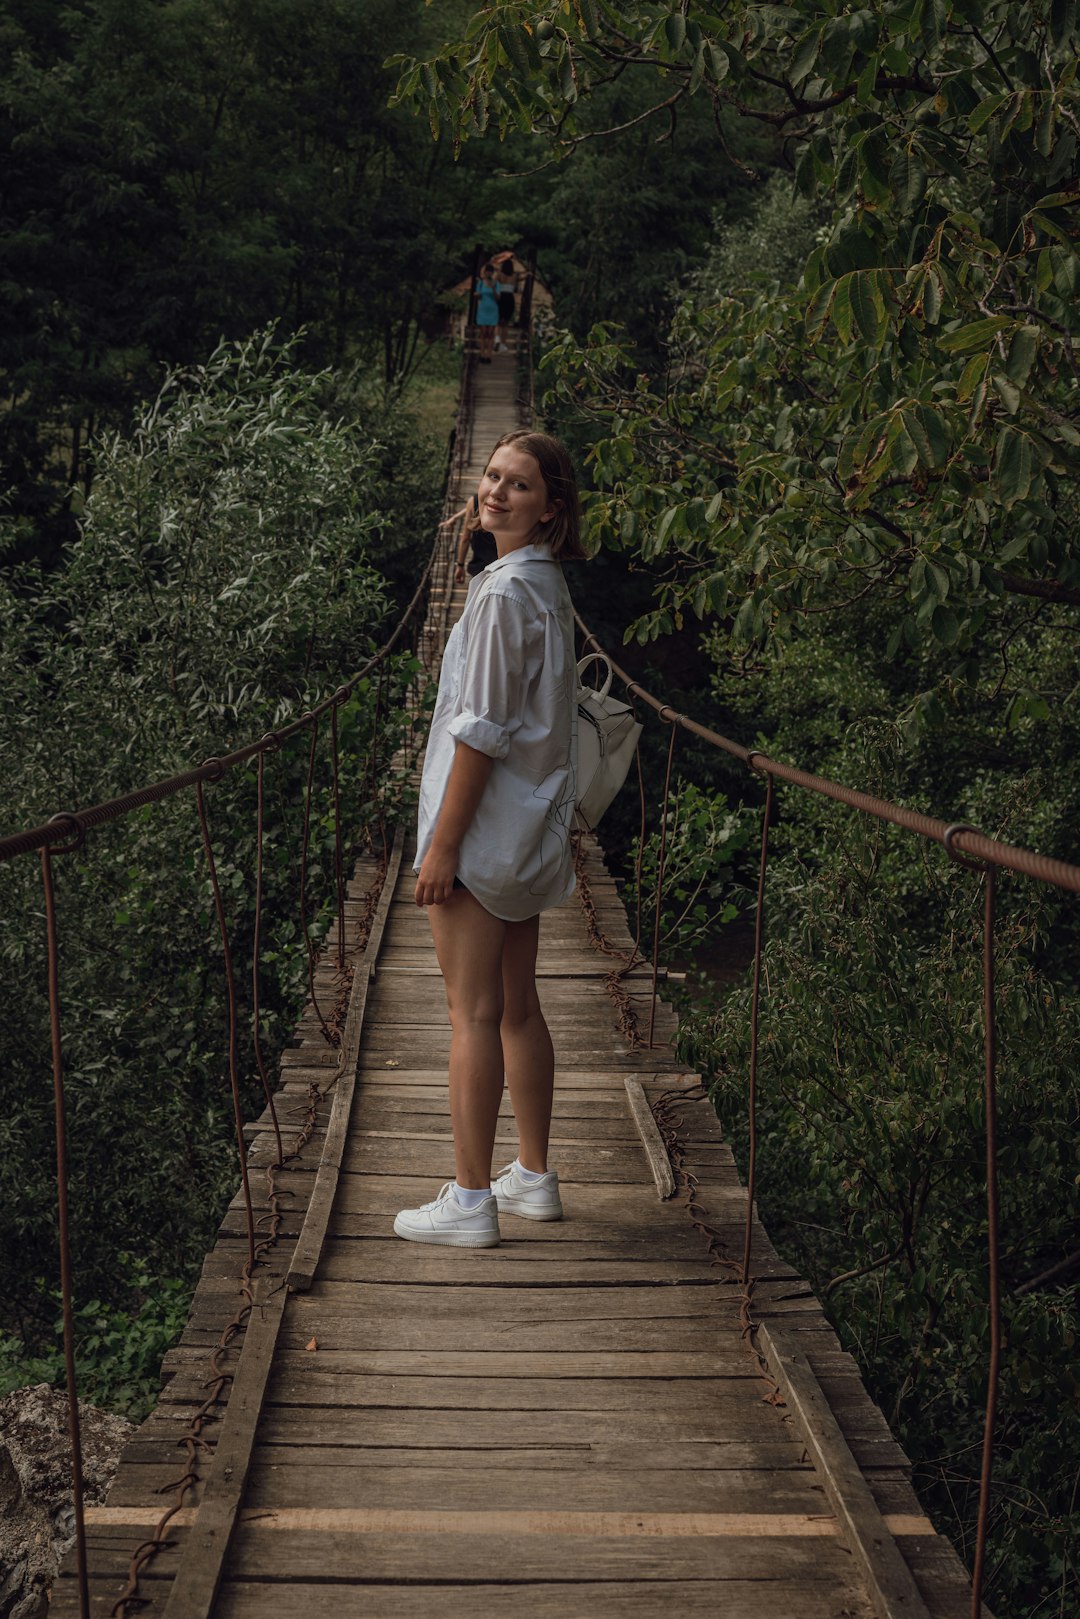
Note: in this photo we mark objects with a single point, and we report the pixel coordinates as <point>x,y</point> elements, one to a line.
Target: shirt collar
<point>523,553</point>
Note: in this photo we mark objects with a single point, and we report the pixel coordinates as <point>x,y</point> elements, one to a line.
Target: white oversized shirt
<point>508,688</point>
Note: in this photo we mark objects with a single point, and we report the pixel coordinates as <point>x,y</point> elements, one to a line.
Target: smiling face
<point>514,499</point>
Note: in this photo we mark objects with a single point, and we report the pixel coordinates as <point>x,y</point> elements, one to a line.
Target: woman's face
<point>513,497</point>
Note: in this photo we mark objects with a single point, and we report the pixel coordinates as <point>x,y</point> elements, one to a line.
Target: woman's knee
<point>520,1005</point>
<point>471,1007</point>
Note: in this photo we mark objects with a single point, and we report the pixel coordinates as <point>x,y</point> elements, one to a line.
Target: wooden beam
<point>309,1245</point>
<point>890,1584</point>
<point>192,1593</point>
<point>651,1139</point>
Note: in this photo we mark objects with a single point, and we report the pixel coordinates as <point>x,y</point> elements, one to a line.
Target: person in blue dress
<point>487,311</point>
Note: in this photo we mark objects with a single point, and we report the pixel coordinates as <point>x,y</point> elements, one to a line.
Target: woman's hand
<point>459,574</point>
<point>435,880</point>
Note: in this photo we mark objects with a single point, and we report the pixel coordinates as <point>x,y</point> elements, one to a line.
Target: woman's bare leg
<point>469,944</point>
<point>526,1044</point>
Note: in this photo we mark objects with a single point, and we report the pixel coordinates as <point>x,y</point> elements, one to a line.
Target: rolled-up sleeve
<point>492,692</point>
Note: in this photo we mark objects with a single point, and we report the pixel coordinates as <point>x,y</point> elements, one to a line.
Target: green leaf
<point>675,29</point>
<point>945,625</point>
<point>520,49</point>
<point>868,305</point>
<point>1015,465</point>
<point>719,62</point>
<point>805,56</point>
<point>590,17</point>
<point>841,311</point>
<point>1007,392</point>
<point>974,372</point>
<point>977,334</point>
<point>907,179</point>
<point>986,110</point>
<point>1022,352</point>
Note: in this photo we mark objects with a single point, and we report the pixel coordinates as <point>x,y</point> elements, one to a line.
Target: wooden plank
<point>305,1258</point>
<point>192,1593</point>
<point>576,1522</point>
<point>327,1391</point>
<point>890,1584</point>
<point>518,1556</point>
<point>742,1596</point>
<point>651,1139</point>
<point>526,1488</point>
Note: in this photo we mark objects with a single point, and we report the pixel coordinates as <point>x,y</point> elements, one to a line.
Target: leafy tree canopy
<point>900,419</point>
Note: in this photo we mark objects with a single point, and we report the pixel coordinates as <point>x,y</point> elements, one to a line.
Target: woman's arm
<point>468,777</point>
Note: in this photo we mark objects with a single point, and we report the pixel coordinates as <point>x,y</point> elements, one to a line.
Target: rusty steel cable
<point>993,1211</point>
<point>64,1224</point>
<point>256,945</point>
<point>969,841</point>
<point>339,862</point>
<point>755,1003</point>
<point>641,831</point>
<point>305,844</point>
<point>66,832</point>
<point>626,1015</point>
<point>660,872</point>
<point>230,1001</point>
<point>968,847</point>
<point>376,738</point>
<point>669,1127</point>
<point>78,822</point>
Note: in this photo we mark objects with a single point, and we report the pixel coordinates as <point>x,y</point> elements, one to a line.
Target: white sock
<point>528,1175</point>
<point>471,1197</point>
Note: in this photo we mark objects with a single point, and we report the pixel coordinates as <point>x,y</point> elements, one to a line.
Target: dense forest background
<point>815,273</point>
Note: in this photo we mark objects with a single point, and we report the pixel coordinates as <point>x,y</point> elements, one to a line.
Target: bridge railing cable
<point>66,832</point>
<point>965,845</point>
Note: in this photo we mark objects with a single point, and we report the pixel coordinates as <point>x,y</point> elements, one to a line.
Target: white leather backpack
<point>607,737</point>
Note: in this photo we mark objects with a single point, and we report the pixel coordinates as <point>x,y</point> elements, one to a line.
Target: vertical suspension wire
<point>339,864</point>
<point>660,870</point>
<point>230,992</point>
<point>993,1222</point>
<point>304,846</point>
<point>60,1109</point>
<point>755,1003</point>
<point>255,948</point>
<point>376,737</point>
<point>636,952</point>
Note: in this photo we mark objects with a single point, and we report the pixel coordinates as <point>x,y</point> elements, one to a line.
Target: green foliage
<point>176,171</point>
<point>871,1165</point>
<point>118,1350</point>
<point>701,839</point>
<point>222,583</point>
<point>900,421</point>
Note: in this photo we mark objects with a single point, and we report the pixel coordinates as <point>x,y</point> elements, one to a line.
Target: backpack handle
<point>584,664</point>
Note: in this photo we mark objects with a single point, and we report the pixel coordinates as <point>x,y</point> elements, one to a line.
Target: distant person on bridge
<point>507,285</point>
<point>472,537</point>
<point>487,311</point>
<point>493,839</point>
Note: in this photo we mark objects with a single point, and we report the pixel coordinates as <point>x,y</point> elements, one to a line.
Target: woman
<point>493,844</point>
<point>487,311</point>
<point>506,272</point>
<point>472,538</point>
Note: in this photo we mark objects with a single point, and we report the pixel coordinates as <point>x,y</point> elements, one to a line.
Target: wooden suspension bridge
<point>588,1418</point>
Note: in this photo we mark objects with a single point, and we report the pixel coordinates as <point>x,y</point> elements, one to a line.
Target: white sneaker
<point>445,1221</point>
<point>533,1200</point>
